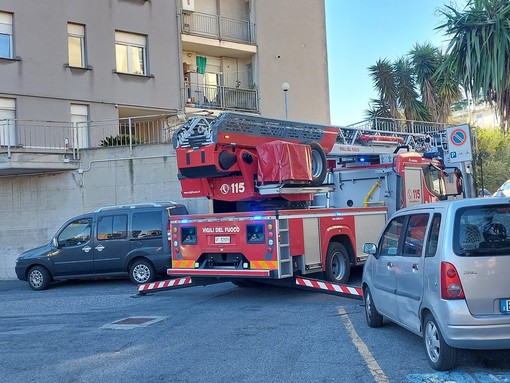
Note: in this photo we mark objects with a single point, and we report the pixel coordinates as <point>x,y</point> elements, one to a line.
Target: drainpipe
<point>130,137</point>
<point>178,5</point>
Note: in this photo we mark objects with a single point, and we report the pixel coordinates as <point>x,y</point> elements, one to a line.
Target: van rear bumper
<point>160,261</point>
<point>463,330</point>
<point>487,337</point>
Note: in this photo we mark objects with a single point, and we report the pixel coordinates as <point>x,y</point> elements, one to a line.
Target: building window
<point>76,45</point>
<point>79,119</point>
<point>6,35</point>
<point>131,53</point>
<point>7,121</point>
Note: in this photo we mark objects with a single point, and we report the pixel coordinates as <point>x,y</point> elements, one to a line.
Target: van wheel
<point>142,271</point>
<point>39,278</point>
<point>338,267</point>
<point>440,355</point>
<point>374,319</point>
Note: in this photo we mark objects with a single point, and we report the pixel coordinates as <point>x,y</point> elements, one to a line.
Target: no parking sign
<point>459,144</point>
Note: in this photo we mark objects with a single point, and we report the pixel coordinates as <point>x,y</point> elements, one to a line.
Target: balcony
<point>35,147</point>
<point>220,97</point>
<point>218,27</point>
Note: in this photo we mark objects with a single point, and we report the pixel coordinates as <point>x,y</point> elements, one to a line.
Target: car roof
<point>455,204</point>
<point>141,205</point>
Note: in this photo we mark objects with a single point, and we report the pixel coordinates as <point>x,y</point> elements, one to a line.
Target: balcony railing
<point>395,125</point>
<point>218,27</point>
<point>65,137</point>
<point>55,136</point>
<point>221,97</point>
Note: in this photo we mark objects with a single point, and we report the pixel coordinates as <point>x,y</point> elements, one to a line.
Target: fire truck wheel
<point>319,166</point>
<point>338,267</point>
<point>141,271</point>
<point>39,278</point>
<point>374,319</point>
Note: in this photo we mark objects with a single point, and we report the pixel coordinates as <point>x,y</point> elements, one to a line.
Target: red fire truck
<point>289,199</point>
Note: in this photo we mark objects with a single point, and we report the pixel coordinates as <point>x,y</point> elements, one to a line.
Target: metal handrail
<point>399,125</point>
<point>69,138</point>
<point>218,27</point>
<point>221,97</point>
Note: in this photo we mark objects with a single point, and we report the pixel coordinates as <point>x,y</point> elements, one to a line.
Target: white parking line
<point>373,366</point>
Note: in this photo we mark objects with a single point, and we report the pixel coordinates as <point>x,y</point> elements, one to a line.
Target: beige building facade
<point>81,76</point>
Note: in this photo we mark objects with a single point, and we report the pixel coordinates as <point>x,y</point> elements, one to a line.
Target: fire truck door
<point>413,186</point>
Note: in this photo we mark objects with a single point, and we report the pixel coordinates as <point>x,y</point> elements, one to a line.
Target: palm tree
<point>384,81</point>
<point>378,109</point>
<point>479,51</point>
<point>425,62</point>
<point>397,85</point>
<point>448,92</point>
<point>412,108</point>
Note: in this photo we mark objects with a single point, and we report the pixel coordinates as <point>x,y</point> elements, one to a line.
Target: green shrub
<point>120,140</point>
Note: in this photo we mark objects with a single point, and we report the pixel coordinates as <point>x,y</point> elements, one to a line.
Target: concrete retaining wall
<point>32,208</point>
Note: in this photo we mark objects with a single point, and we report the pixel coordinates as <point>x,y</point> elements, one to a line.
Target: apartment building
<point>81,76</point>
<point>84,61</point>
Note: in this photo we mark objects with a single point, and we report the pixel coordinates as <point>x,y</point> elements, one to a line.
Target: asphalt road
<point>217,333</point>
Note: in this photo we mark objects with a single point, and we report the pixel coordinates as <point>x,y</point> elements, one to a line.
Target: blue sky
<point>359,32</point>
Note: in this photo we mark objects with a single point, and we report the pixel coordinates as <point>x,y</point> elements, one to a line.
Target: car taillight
<point>451,287</point>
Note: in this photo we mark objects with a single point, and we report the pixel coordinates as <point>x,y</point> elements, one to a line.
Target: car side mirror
<point>55,243</point>
<point>370,248</point>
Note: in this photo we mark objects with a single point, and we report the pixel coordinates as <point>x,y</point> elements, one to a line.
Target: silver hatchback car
<point>441,270</point>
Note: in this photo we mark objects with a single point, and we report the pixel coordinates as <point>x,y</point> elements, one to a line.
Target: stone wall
<point>33,207</point>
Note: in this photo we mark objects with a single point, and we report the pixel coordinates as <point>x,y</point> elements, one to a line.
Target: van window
<point>146,224</point>
<point>482,231</point>
<point>415,235</point>
<point>389,240</point>
<point>112,227</point>
<point>75,233</point>
<point>178,210</point>
<point>433,236</point>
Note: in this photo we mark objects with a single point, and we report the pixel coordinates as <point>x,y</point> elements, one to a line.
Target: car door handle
<point>390,265</point>
<point>415,267</point>
<point>99,247</point>
<point>87,249</point>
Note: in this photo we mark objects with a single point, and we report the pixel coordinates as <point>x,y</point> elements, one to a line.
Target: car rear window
<point>482,231</point>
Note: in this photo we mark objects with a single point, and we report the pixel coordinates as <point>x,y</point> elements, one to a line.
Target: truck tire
<point>142,271</point>
<point>338,267</point>
<point>319,164</point>
<point>39,278</point>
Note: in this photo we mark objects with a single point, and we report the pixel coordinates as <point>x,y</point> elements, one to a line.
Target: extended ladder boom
<point>249,131</point>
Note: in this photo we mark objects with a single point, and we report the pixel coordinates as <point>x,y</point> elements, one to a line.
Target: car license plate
<point>225,239</point>
<point>505,306</point>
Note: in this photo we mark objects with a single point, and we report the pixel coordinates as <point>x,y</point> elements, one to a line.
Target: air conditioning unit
<point>188,5</point>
